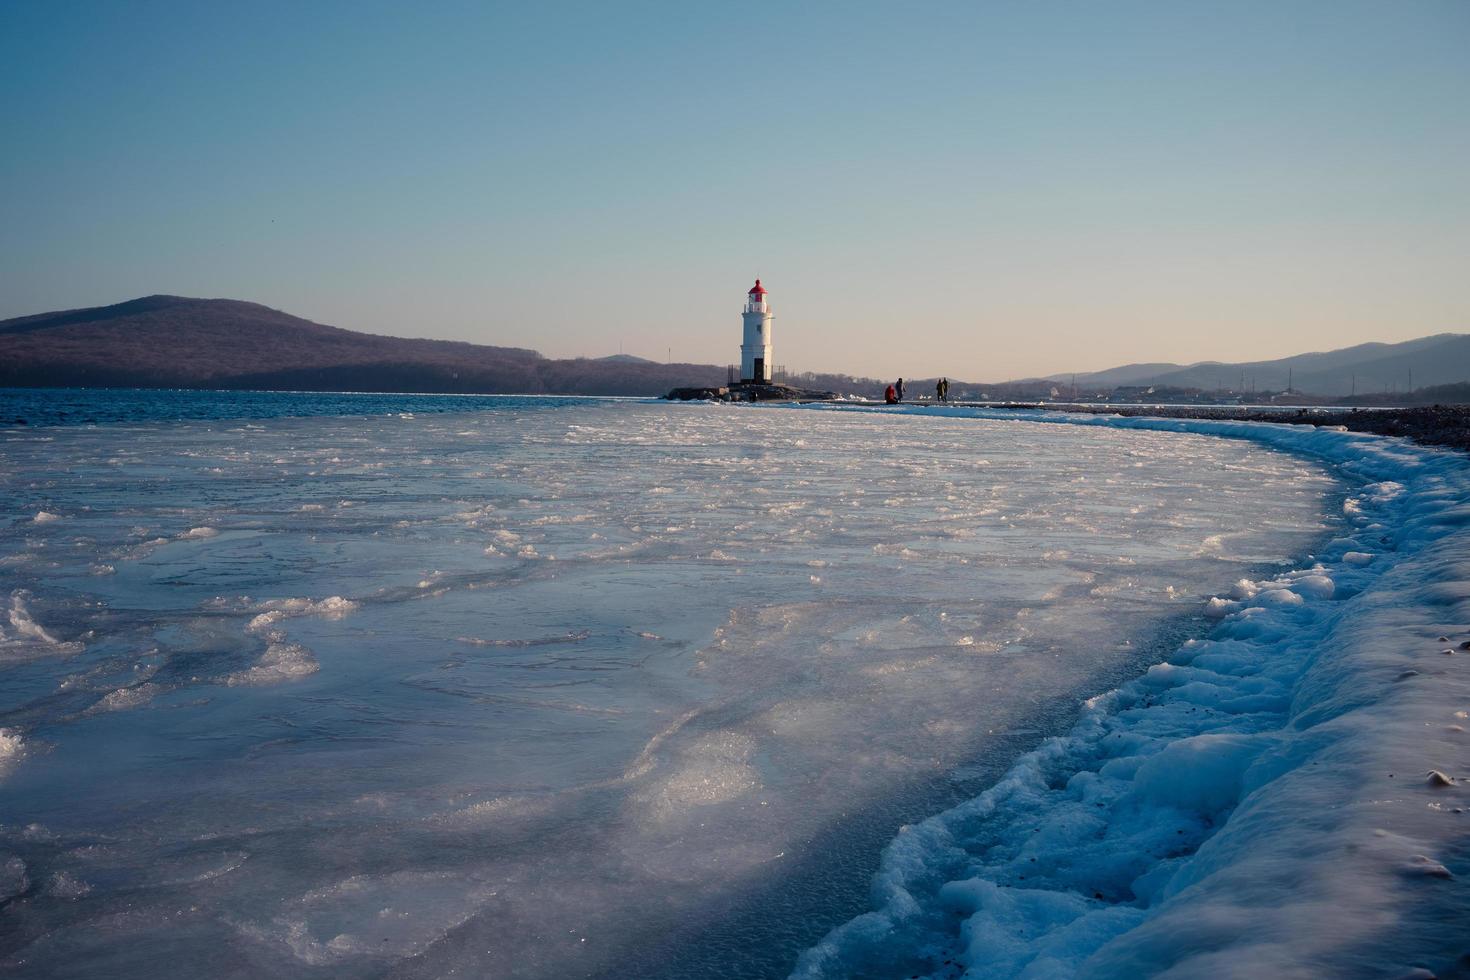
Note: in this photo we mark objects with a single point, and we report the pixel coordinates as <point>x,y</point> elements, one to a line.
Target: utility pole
<point>1288,380</point>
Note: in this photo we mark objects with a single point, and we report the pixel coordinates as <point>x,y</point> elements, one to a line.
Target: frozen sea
<point>555,688</point>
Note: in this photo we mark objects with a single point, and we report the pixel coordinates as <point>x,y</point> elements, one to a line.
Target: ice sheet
<point>547,691</point>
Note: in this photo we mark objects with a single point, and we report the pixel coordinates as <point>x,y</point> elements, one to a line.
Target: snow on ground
<point>1286,797</point>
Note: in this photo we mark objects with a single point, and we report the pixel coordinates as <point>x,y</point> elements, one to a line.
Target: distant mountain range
<point>1367,368</point>
<point>179,342</point>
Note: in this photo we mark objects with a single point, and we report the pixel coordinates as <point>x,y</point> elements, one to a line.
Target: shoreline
<point>1437,426</point>
<point>1308,754</point>
<point>1440,426</point>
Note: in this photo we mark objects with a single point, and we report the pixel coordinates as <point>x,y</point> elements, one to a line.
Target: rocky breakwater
<point>1429,425</point>
<point>751,393</point>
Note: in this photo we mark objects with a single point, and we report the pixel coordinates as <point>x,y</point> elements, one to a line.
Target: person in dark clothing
<point>900,389</point>
<point>939,390</point>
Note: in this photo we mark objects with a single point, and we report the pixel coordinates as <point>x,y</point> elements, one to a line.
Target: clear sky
<point>980,189</point>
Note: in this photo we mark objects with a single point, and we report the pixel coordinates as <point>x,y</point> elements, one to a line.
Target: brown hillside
<point>175,341</point>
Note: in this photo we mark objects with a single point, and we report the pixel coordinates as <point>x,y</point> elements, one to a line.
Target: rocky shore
<point>1428,425</point>
<point>750,393</point>
<point>1432,425</point>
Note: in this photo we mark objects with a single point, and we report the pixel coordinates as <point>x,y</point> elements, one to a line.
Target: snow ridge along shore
<point>1289,797</point>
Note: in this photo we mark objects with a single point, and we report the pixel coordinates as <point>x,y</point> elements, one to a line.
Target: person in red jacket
<point>890,395</point>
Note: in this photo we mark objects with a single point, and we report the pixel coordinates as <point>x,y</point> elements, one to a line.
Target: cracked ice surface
<point>557,691</point>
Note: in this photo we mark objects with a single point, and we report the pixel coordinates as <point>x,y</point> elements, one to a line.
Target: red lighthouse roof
<point>757,289</point>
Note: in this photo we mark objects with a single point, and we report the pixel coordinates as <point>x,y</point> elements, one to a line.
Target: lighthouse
<point>755,344</point>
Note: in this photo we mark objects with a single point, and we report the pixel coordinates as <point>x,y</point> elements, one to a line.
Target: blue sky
<point>985,190</point>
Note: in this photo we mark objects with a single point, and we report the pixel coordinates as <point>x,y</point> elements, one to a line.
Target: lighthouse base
<point>751,391</point>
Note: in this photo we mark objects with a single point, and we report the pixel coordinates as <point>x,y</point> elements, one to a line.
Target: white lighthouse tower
<point>755,347</point>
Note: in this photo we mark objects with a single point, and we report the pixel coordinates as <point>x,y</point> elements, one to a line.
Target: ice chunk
<point>1218,608</point>
<point>714,769</point>
<point>127,697</point>
<point>275,610</point>
<point>12,747</point>
<point>1202,774</point>
<point>281,662</point>
<point>1314,587</point>
<point>27,638</point>
<point>395,915</point>
<point>66,886</point>
<point>1244,589</point>
<point>13,878</point>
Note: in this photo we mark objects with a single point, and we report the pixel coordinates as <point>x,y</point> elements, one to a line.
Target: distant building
<point>755,346</point>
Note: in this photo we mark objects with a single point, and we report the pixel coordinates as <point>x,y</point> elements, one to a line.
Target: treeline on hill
<point>177,342</point>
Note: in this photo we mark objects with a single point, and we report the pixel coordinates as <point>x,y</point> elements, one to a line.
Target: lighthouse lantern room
<point>755,346</point>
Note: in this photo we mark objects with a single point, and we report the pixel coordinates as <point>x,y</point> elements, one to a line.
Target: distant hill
<point>1128,374</point>
<point>626,359</point>
<point>179,342</point>
<point>1442,359</point>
